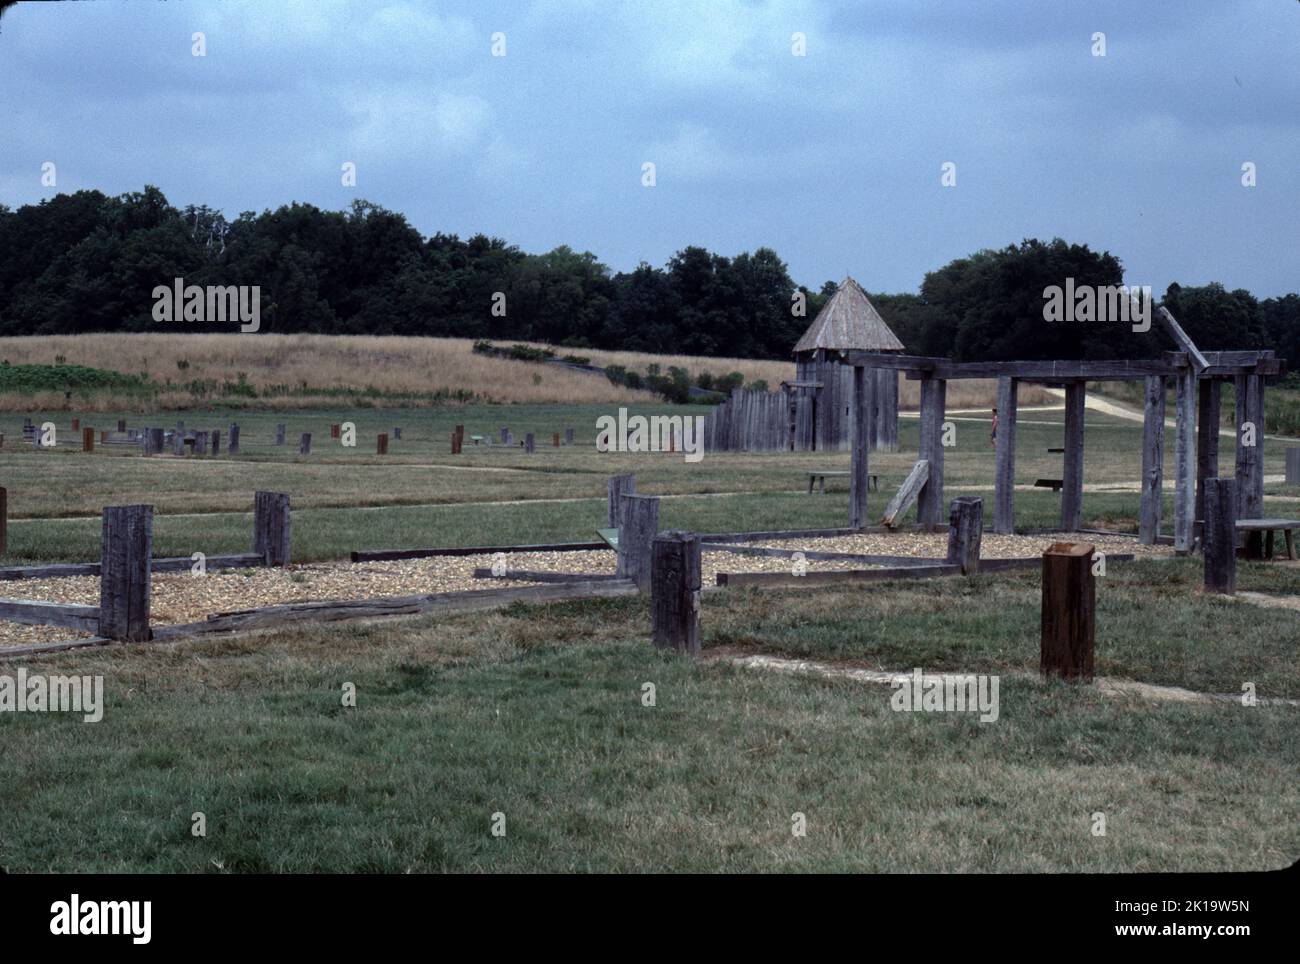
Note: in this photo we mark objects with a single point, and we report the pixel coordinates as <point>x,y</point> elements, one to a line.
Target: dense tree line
<point>88,262</point>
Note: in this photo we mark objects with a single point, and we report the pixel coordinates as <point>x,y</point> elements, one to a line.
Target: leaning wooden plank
<point>1175,330</point>
<point>381,555</point>
<point>907,493</point>
<point>67,615</point>
<point>834,576</point>
<point>539,575</point>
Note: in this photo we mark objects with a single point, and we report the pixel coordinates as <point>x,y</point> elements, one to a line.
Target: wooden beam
<point>1004,512</point>
<point>858,481</point>
<point>826,577</point>
<point>965,529</point>
<point>125,580</point>
<point>1153,460</point>
<point>1185,460</point>
<point>541,575</point>
<point>1069,611</point>
<point>639,524</point>
<point>271,527</point>
<point>1180,337</point>
<point>907,494</point>
<point>1207,438</point>
<point>1050,371</point>
<point>384,555</point>
<point>67,615</point>
<point>1220,539</point>
<point>1072,470</point>
<point>930,505</point>
<point>675,592</point>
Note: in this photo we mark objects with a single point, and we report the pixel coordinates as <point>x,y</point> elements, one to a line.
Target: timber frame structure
<point>1197,377</point>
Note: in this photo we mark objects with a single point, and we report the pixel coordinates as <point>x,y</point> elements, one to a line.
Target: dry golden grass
<point>312,365</point>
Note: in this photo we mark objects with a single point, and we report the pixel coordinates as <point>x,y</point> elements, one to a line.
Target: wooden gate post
<point>618,486</point>
<point>271,535</point>
<point>126,572</point>
<point>1220,535</point>
<point>1153,460</point>
<point>1069,613</point>
<point>965,530</point>
<point>636,534</point>
<point>675,576</point>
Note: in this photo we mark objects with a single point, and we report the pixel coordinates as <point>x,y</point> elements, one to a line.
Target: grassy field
<point>536,712</point>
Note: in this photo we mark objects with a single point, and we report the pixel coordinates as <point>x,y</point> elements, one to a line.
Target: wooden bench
<point>873,482</point>
<point>1054,484</point>
<point>1258,530</point>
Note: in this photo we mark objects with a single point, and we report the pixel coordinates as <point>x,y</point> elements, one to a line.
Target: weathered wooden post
<point>929,503</point>
<point>279,434</point>
<point>618,486</point>
<point>382,447</point>
<point>1153,460</point>
<point>397,433</point>
<point>1220,535</point>
<point>1069,615</point>
<point>636,534</point>
<point>103,436</point>
<point>568,436</point>
<point>1293,466</point>
<point>126,572</point>
<point>233,447</point>
<point>334,430</point>
<point>555,440</point>
<point>1072,469</point>
<point>529,443</point>
<point>1207,438</point>
<point>4,520</point>
<point>1004,497</point>
<point>859,477</point>
<point>455,444</point>
<point>460,432</point>
<point>200,443</point>
<point>76,425</point>
<point>178,439</point>
<point>216,442</point>
<point>965,530</point>
<point>1250,458</point>
<point>87,439</point>
<point>505,435</point>
<point>121,425</point>
<point>304,444</point>
<point>1185,458</point>
<point>271,537</point>
<point>676,575</point>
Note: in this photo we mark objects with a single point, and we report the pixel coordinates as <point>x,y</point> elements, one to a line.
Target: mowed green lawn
<point>498,495</point>
<point>536,714</point>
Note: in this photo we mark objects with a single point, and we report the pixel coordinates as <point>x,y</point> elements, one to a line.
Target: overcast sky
<point>833,158</point>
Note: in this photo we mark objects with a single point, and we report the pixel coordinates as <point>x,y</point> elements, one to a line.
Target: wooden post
<point>103,436</point>
<point>4,521</point>
<point>397,433</point>
<point>178,439</point>
<point>1220,535</point>
<point>1185,459</point>
<point>929,504</point>
<point>505,436</point>
<point>334,430</point>
<point>304,444</point>
<point>126,572</point>
<point>455,444</point>
<point>271,537</point>
<point>1207,438</point>
<point>1069,613</point>
<point>1153,460</point>
<point>1004,498</point>
<point>1292,466</point>
<point>555,440</point>
<point>1250,458</point>
<point>76,425</point>
<point>675,576</point>
<point>87,439</point>
<point>200,443</point>
<point>529,443</point>
<point>121,425</point>
<point>216,442</point>
<point>965,530</point>
<point>233,448</point>
<point>636,534</point>
<point>618,486</point>
<point>382,447</point>
<point>859,479</point>
<point>568,436</point>
<point>154,441</point>
<point>1072,470</point>
<point>279,434</point>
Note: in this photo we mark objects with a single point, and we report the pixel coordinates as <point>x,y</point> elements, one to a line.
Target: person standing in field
<point>993,435</point>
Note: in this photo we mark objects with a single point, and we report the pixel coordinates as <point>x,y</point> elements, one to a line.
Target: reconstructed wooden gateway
<point>1197,377</point>
<point>815,412</point>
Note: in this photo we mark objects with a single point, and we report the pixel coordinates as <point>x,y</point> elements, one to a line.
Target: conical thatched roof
<point>849,322</point>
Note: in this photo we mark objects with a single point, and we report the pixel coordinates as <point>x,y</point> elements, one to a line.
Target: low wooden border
<point>55,570</point>
<point>930,571</point>
<point>539,575</point>
<point>865,558</point>
<point>385,555</point>
<point>35,612</point>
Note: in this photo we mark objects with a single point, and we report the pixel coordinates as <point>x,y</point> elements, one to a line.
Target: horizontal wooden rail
<point>384,555</point>
<point>540,575</point>
<point>57,570</point>
<point>67,615</point>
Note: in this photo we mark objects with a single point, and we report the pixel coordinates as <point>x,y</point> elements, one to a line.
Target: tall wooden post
<point>233,448</point>
<point>334,430</point>
<point>126,572</point>
<point>676,575</point>
<point>1207,438</point>
<point>1185,458</point>
<point>304,444</point>
<point>1004,496</point>
<point>121,425</point>
<point>965,530</point>
<point>271,532</point>
<point>1220,535</point>
<point>216,441</point>
<point>87,439</point>
<point>636,534</point>
<point>381,447</point>
<point>859,479</point>
<point>1250,458</point>
<point>200,443</point>
<point>1153,460</point>
<point>1293,466</point>
<point>929,503</point>
<point>618,486</point>
<point>1072,470</point>
<point>530,443</point>
<point>568,436</point>
<point>4,521</point>
<point>1069,611</point>
<point>279,434</point>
